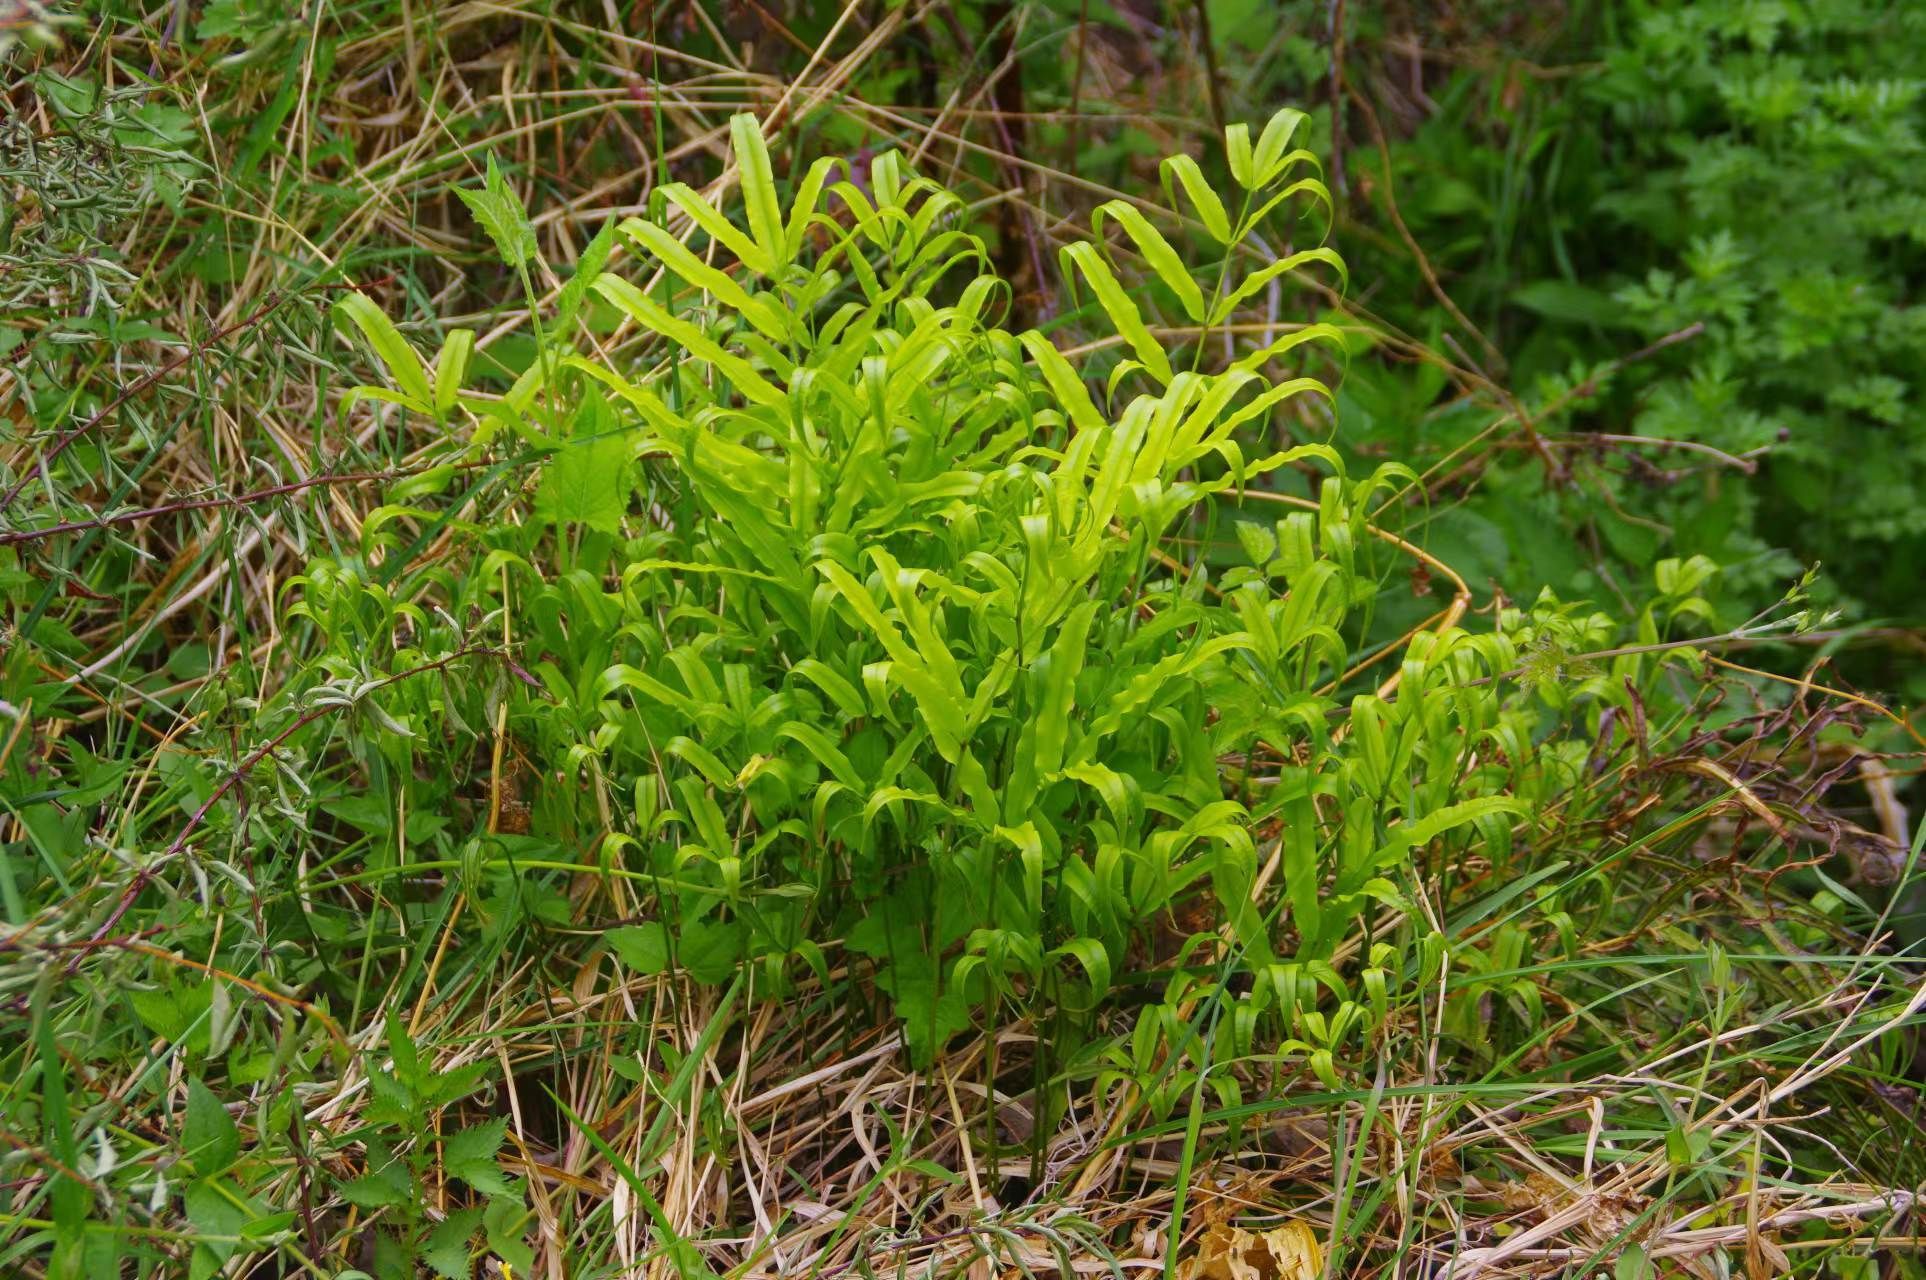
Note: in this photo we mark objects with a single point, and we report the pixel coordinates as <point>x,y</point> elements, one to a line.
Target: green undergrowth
<point>1686,242</point>
<point>787,652</point>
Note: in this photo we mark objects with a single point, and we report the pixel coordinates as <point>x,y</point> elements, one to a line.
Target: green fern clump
<point>861,632</point>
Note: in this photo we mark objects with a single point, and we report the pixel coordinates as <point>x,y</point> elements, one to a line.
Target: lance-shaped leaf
<point>1123,312</point>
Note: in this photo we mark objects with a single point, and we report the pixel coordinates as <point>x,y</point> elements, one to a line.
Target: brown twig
<point>17,536</point>
<point>1410,241</point>
<point>1075,134</point>
<point>1337,99</point>
<point>1747,462</point>
<point>1212,79</point>
<point>1588,387</point>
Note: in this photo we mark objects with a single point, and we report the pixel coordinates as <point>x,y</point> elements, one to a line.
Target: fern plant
<point>865,632</point>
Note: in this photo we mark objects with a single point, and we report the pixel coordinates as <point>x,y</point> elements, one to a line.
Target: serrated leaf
<point>401,1046</point>
<point>383,1189</point>
<point>469,1154</point>
<point>588,483</point>
<point>500,213</point>
<point>452,1086</point>
<point>446,1248</point>
<point>389,1101</point>
<point>474,1144</point>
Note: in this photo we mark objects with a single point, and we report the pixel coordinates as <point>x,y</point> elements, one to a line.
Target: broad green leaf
<point>403,365</point>
<point>942,706</point>
<point>446,1248</point>
<point>588,268</point>
<point>642,947</point>
<point>505,1221</point>
<point>824,749</point>
<point>838,690</point>
<point>1210,209</point>
<point>705,763</point>
<point>764,313</point>
<point>719,228</point>
<point>451,368</point>
<point>588,483</point>
<point>1237,150</point>
<point>1065,383</point>
<point>802,210</point>
<point>1319,332</point>
<point>684,334</point>
<point>210,1137</point>
<point>1412,835</point>
<point>709,951</point>
<point>215,1208</point>
<point>1269,159</point>
<point>1261,278</point>
<point>1095,963</point>
<point>1052,721</point>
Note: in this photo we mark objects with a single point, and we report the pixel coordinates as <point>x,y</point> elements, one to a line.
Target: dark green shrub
<point>1744,177</point>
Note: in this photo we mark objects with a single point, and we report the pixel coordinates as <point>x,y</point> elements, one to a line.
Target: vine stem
<point>15,536</point>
